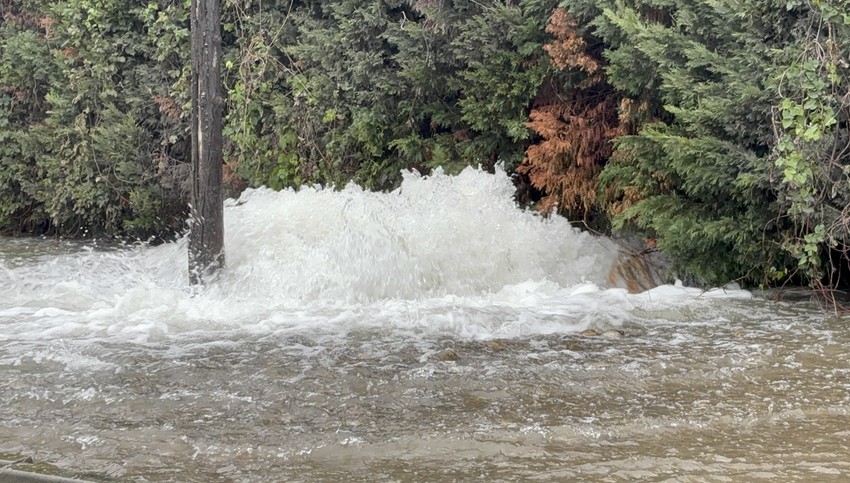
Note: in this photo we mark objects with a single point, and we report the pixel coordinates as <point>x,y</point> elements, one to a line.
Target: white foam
<point>442,254</point>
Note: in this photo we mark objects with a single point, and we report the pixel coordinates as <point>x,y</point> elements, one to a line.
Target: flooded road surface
<point>387,355</point>
<point>750,390</point>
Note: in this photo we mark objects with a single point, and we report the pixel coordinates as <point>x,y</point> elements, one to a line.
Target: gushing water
<point>434,243</point>
<point>428,334</point>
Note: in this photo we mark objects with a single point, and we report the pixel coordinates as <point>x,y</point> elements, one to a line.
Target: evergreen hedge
<point>740,172</point>
<point>718,128</point>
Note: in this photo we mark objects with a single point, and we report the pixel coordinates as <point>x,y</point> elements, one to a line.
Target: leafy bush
<point>381,86</point>
<point>812,152</point>
<point>700,177</point>
<point>94,101</point>
<point>718,128</point>
<point>90,147</point>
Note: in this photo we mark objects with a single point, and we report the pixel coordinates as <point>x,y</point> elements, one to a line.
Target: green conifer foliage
<point>701,178</point>
<point>739,111</point>
<point>503,67</point>
<point>94,100</point>
<point>94,139</point>
<point>26,69</point>
<point>382,86</point>
<point>347,90</point>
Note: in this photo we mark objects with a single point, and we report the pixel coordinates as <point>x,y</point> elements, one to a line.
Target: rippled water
<point>431,334</point>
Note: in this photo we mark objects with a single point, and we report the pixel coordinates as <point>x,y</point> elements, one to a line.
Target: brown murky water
<point>737,391</point>
<point>429,334</point>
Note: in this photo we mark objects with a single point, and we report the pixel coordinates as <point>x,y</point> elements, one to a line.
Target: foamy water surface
<point>428,334</point>
<point>326,260</point>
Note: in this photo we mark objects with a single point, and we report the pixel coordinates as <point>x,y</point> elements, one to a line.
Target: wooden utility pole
<point>206,238</point>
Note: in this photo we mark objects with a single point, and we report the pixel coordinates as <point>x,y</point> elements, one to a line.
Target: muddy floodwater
<point>736,391</point>
<point>355,347</point>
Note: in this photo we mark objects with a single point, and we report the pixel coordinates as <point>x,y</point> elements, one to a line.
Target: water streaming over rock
<point>428,334</point>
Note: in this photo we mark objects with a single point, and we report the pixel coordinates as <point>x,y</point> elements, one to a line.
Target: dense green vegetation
<point>740,169</point>
<point>91,132</point>
<point>717,128</point>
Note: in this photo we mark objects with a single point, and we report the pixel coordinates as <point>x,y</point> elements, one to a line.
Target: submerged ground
<point>397,337</point>
<point>734,391</point>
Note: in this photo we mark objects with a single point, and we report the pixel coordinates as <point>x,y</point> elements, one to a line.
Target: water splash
<point>434,236</point>
<point>441,253</point>
<point>352,335</point>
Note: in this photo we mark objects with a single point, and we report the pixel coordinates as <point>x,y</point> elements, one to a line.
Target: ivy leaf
<point>812,133</point>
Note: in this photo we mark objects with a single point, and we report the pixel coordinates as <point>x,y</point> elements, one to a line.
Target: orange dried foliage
<point>568,50</point>
<point>576,127</point>
<point>46,24</point>
<point>168,106</point>
<point>629,195</point>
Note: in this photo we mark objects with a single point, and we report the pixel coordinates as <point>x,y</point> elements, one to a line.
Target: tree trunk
<point>206,238</point>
